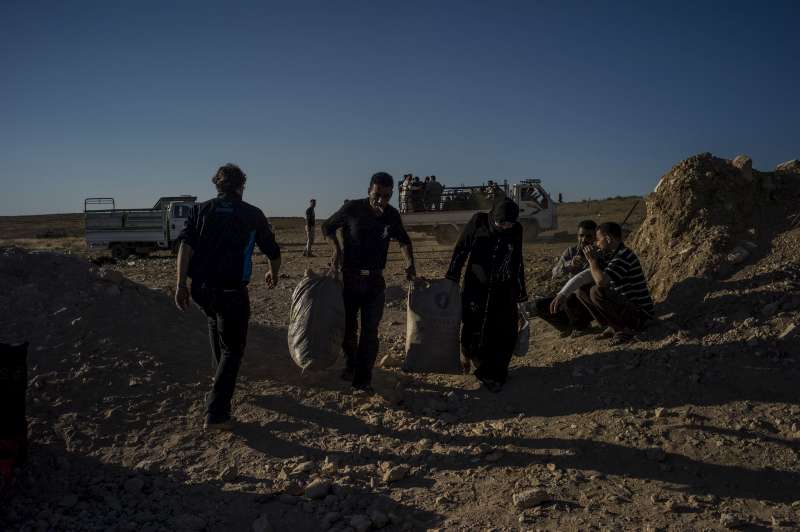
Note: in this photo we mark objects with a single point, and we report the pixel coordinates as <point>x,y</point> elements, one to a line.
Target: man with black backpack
<point>216,252</point>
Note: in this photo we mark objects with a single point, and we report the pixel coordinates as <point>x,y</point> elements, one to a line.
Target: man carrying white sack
<point>367,226</point>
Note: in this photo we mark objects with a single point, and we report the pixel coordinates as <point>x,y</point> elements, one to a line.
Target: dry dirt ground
<point>694,426</point>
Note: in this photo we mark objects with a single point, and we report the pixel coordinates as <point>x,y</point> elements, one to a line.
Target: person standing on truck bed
<point>311,222</point>
<point>435,196</point>
<point>367,226</point>
<point>405,191</point>
<point>216,252</point>
<point>417,193</point>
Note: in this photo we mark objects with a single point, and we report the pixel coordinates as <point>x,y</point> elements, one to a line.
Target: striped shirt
<point>627,278</point>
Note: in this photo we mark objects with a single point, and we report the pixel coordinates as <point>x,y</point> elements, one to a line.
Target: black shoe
<point>621,338</point>
<point>347,375</point>
<point>492,385</point>
<point>222,425</point>
<point>577,333</point>
<point>365,389</point>
<point>607,333</point>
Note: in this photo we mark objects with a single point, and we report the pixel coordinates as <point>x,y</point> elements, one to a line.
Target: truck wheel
<point>446,235</point>
<point>530,231</point>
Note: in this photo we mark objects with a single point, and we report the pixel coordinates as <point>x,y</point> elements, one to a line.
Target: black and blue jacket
<point>223,233</point>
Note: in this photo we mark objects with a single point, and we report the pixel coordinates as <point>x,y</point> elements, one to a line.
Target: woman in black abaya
<point>494,283</point>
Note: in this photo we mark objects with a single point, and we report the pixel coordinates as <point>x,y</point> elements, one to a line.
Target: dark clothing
<point>417,192</point>
<point>366,236</point>
<point>611,309</point>
<point>505,211</point>
<point>364,295</point>
<point>577,314</point>
<point>493,285</point>
<point>365,248</point>
<point>627,279</point>
<point>434,191</point>
<point>13,420</point>
<point>311,218</point>
<point>572,316</point>
<point>495,258</point>
<point>223,232</point>
<point>228,314</point>
<point>489,333</point>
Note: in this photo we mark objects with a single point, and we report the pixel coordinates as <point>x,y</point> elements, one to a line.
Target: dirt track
<point>694,426</point>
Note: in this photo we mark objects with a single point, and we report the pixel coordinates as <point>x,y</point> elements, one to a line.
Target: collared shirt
<point>563,267</point>
<point>365,235</point>
<point>223,232</point>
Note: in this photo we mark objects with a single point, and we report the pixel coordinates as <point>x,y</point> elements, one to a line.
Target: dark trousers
<point>573,315</point>
<point>489,327</point>
<point>610,309</point>
<point>228,315</point>
<point>493,354</point>
<point>13,421</point>
<point>364,295</point>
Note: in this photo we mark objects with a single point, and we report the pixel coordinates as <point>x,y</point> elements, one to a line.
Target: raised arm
<point>595,266</point>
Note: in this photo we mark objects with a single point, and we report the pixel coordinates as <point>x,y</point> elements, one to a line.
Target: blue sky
<point>136,100</point>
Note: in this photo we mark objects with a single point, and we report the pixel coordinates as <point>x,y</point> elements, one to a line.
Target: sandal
<point>606,334</point>
<point>621,338</point>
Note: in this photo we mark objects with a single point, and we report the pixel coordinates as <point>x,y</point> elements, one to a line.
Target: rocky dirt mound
<point>708,214</point>
<point>60,302</point>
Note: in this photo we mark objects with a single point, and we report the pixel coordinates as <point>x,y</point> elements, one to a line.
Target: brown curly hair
<point>229,179</point>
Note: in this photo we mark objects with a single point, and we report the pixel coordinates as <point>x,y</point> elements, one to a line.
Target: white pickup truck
<point>444,216</point>
<point>135,231</point>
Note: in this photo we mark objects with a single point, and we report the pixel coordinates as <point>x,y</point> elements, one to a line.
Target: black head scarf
<point>505,210</point>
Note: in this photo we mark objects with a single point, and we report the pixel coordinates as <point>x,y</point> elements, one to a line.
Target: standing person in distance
<point>367,227</point>
<point>311,221</point>
<point>216,253</point>
<point>494,286</point>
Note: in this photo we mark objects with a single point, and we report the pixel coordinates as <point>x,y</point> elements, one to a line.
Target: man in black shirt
<point>311,221</point>
<point>216,253</point>
<point>367,226</point>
